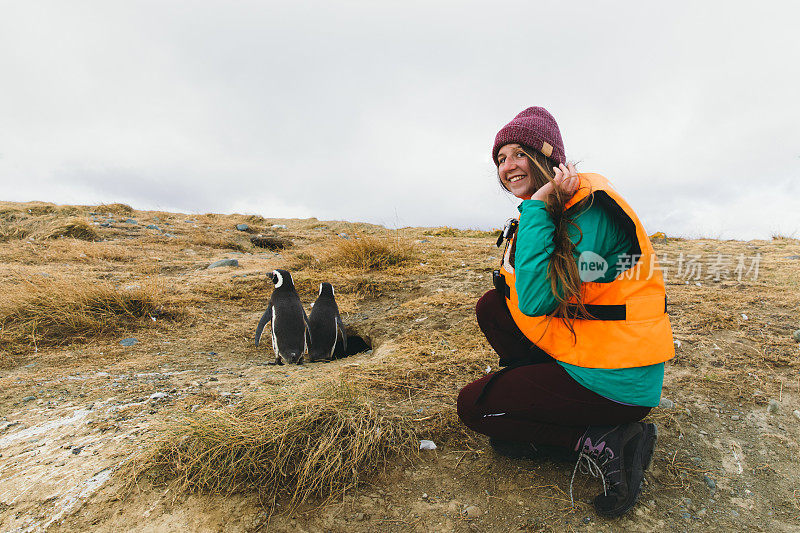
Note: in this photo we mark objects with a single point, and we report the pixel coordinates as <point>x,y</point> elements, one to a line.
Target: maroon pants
<point>538,402</point>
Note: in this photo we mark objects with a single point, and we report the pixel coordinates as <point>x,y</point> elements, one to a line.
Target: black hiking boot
<point>527,450</point>
<point>619,455</point>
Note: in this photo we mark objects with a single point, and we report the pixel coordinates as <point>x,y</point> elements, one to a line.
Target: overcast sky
<point>386,111</point>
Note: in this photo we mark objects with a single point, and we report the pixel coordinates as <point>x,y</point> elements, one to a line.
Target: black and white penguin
<point>291,336</point>
<point>326,325</point>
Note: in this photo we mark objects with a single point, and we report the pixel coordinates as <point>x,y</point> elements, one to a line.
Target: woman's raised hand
<point>566,179</point>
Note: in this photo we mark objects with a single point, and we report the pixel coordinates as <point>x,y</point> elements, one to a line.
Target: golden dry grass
<point>116,209</point>
<point>58,311</point>
<point>371,252</point>
<point>320,441</point>
<point>446,231</point>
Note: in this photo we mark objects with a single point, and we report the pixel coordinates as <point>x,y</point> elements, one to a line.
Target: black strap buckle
<point>508,231</point>
<point>499,282</point>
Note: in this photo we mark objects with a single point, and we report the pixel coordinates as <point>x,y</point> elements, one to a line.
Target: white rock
<point>796,414</point>
<point>472,512</point>
<point>427,445</point>
<point>158,395</point>
<point>744,316</point>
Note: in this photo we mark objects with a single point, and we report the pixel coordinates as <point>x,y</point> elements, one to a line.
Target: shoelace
<point>588,465</point>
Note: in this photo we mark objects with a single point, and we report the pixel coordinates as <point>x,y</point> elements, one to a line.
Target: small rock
<point>710,482</point>
<point>703,432</point>
<point>242,227</point>
<point>666,403</point>
<point>129,341</point>
<point>28,398</point>
<point>213,379</point>
<point>734,417</point>
<point>472,512</point>
<point>796,414</point>
<point>792,257</point>
<point>152,226</point>
<point>344,235</point>
<point>427,445</point>
<point>744,316</point>
<point>104,225</point>
<point>796,335</point>
<point>773,407</point>
<point>677,343</point>
<point>130,221</point>
<point>102,374</point>
<point>158,395</point>
<point>224,263</point>
<point>279,226</point>
<point>424,495</point>
<point>76,450</point>
<point>132,287</point>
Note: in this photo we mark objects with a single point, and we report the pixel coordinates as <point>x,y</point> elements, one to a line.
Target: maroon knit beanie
<point>534,127</point>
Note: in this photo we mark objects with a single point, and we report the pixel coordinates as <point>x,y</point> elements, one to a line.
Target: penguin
<point>291,335</point>
<point>326,325</point>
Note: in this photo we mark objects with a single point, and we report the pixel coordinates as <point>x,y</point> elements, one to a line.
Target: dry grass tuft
<point>59,311</point>
<point>371,253</point>
<point>75,228</point>
<point>319,441</point>
<point>116,209</point>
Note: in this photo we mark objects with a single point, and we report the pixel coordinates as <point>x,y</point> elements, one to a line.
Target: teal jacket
<point>601,235</point>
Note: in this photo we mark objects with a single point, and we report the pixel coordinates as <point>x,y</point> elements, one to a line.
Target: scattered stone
<point>677,343</point>
<point>213,379</point>
<point>344,235</point>
<point>472,512</point>
<point>129,341</point>
<point>710,482</point>
<point>796,335</point>
<point>427,445</point>
<point>158,395</point>
<point>224,263</point>
<point>132,287</point>
<point>102,374</point>
<point>130,221</point>
<point>796,414</point>
<point>242,227</point>
<point>104,225</point>
<point>77,449</point>
<point>279,226</point>
<point>424,495</point>
<point>734,417</point>
<point>110,221</point>
<point>703,432</point>
<point>28,398</point>
<point>666,403</point>
<point>773,407</point>
<point>744,316</point>
<point>792,257</point>
<point>153,226</point>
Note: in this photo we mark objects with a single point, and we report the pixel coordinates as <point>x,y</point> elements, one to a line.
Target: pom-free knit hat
<point>534,127</point>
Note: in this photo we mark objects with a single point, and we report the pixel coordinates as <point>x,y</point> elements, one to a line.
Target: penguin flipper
<point>266,317</point>
<point>343,333</point>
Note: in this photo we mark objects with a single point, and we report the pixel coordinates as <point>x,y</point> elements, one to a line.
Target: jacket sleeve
<point>598,233</point>
<point>531,257</point>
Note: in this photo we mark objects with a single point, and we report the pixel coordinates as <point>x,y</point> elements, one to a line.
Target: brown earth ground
<point>75,408</point>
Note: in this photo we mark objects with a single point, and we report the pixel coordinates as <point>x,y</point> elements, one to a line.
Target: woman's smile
<point>514,169</point>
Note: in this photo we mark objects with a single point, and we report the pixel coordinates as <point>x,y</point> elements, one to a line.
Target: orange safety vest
<point>628,324</point>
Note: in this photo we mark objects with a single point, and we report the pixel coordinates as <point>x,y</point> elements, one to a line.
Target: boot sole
<point>642,455</point>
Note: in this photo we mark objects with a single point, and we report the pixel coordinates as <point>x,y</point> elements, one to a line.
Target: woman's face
<point>514,170</point>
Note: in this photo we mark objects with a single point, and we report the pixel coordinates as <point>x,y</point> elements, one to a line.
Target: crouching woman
<point>578,318</point>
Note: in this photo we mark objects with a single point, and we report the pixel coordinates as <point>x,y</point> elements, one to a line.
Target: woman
<point>578,318</point>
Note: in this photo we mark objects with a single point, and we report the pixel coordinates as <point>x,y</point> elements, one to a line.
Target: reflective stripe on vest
<point>629,326</point>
